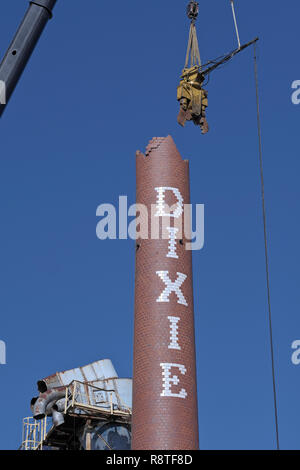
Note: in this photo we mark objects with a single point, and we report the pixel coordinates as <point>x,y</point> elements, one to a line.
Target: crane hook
<point>192,10</point>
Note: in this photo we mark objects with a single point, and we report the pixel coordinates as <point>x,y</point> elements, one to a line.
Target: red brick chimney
<point>164,376</point>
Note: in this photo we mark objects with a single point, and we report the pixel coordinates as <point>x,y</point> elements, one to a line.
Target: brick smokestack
<point>164,377</point>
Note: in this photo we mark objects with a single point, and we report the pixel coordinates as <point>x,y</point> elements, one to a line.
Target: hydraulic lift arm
<point>22,46</point>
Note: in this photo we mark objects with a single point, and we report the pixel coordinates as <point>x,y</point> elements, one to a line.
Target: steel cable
<point>266,247</point>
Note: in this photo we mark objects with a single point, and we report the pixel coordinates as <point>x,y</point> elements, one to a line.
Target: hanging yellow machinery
<point>190,94</point>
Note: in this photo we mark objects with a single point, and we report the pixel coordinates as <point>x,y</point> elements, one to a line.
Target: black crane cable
<point>266,247</point>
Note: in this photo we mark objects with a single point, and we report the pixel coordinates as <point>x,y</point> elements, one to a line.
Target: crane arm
<point>226,58</point>
<point>22,46</point>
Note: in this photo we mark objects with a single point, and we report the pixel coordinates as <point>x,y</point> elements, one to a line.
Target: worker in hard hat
<point>193,99</point>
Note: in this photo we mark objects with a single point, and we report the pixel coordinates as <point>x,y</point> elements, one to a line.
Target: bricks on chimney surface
<point>164,376</point>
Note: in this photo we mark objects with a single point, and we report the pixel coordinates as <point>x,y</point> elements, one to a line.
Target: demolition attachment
<point>190,94</point>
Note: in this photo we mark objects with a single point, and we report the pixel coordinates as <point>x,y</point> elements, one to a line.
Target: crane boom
<point>226,58</point>
<point>22,46</point>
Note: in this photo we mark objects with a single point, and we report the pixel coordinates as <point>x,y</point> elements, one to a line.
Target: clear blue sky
<point>101,83</point>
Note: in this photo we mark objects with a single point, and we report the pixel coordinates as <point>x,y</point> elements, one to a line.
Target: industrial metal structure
<point>34,433</point>
<point>87,408</point>
<point>22,46</point>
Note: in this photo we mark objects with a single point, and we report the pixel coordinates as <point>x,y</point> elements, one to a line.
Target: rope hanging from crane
<point>235,24</point>
<point>193,53</point>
